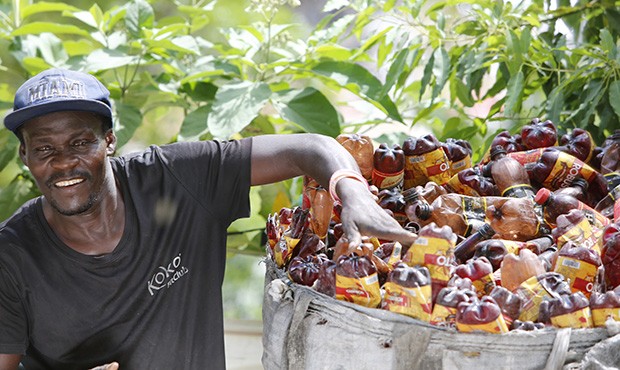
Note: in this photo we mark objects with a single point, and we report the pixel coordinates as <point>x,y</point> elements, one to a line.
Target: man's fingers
<point>110,366</point>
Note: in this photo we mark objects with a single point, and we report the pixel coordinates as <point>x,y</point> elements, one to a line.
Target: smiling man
<point>121,260</point>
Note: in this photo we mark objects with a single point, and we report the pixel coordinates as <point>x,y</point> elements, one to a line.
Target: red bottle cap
<point>542,196</point>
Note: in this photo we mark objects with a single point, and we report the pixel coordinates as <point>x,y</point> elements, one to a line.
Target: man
<point>121,259</point>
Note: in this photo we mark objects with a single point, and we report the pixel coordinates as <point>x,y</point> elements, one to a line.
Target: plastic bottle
<point>510,176</point>
<point>462,213</point>
<point>466,249</point>
<point>408,292</point>
<point>536,289</point>
<point>512,143</point>
<point>388,167</point>
<point>575,227</point>
<point>555,204</point>
<point>459,154</point>
<point>446,303</point>
<point>495,249</point>
<point>480,272</point>
<point>470,181</point>
<point>539,134</point>
<point>610,160</point>
<point>604,306</point>
<point>578,143</point>
<point>480,315</point>
<point>514,218</point>
<point>357,281</point>
<point>578,189</point>
<point>610,255</point>
<point>305,270</point>
<point>434,249</point>
<point>567,311</point>
<point>509,303</point>
<point>606,205</point>
<point>556,169</point>
<point>425,160</point>
<point>362,150</point>
<point>516,269</point>
<point>430,191</point>
<point>579,265</point>
<point>393,200</point>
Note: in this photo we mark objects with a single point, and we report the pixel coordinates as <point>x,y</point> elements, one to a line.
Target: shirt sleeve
<point>13,319</point>
<point>217,172</point>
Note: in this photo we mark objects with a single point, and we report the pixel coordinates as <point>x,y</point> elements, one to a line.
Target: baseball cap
<point>56,90</point>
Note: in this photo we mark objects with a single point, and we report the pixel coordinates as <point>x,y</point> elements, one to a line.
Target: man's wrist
<point>341,175</point>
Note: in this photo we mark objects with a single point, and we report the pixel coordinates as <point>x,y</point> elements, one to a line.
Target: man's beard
<point>92,199</point>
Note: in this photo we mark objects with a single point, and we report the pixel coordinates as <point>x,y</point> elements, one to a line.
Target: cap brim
<point>16,119</point>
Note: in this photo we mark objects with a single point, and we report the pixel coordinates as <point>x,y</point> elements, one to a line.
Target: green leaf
<point>359,80</point>
<point>129,118</point>
<point>428,73</point>
<point>607,43</point>
<point>555,104</point>
<point>103,59</point>
<point>9,144</point>
<point>139,15</point>
<point>614,97</point>
<point>235,106</point>
<point>514,95</point>
<point>463,93</point>
<point>195,123</point>
<point>43,6</point>
<point>14,195</point>
<point>36,28</point>
<point>398,67</point>
<point>441,70</point>
<point>309,109</point>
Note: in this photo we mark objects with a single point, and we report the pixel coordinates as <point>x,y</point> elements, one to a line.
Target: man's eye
<point>44,148</point>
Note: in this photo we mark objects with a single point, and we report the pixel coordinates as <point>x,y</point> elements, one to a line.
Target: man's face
<point>66,154</point>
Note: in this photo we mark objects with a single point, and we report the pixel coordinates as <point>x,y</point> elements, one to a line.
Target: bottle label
<point>582,233</point>
<point>282,250</point>
<point>444,316</point>
<point>431,166</point>
<point>474,211</point>
<point>566,169</point>
<point>484,285</point>
<point>387,180</point>
<point>578,319</point>
<point>532,293</point>
<point>456,186</point>
<point>458,166</point>
<point>395,256</point>
<point>363,291</point>
<point>414,302</point>
<point>512,246</point>
<point>436,254</point>
<point>613,180</point>
<point>528,156</point>
<point>497,326</point>
<point>519,191</point>
<point>600,315</point>
<point>580,274</point>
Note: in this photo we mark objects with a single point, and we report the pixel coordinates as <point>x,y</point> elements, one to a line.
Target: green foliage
<point>463,69</point>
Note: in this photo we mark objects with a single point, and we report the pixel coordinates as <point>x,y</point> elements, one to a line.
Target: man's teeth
<point>62,184</point>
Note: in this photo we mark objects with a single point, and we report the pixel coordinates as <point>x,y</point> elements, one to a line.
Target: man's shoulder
<point>20,223</point>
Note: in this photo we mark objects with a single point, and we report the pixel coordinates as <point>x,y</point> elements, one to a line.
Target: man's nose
<point>64,158</point>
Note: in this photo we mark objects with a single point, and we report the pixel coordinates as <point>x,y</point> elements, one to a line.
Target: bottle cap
<point>542,196</point>
<point>410,195</point>
<point>581,183</point>
<point>486,231</point>
<point>423,210</point>
<point>498,149</point>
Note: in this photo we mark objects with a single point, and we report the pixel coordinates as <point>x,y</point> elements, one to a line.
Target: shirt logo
<point>56,87</point>
<point>166,275</point>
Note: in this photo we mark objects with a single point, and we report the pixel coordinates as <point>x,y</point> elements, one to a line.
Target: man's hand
<point>362,216</point>
<point>110,366</point>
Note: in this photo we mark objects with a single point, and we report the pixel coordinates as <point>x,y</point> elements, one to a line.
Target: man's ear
<point>22,154</point>
<point>110,139</point>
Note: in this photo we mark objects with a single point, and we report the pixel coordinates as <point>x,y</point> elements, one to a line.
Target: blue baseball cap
<point>56,90</point>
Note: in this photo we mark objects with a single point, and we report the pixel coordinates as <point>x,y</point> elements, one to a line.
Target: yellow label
<point>457,186</point>
<point>414,302</point>
<point>363,291</point>
<point>387,180</point>
<point>282,250</point>
<point>436,254</point>
<point>519,191</point>
<point>431,166</point>
<point>578,319</point>
<point>600,315</point>
<point>395,257</point>
<point>444,316</point>
<point>474,209</point>
<point>458,166</point>
<point>532,294</point>
<point>527,156</point>
<point>565,170</point>
<point>512,247</point>
<point>484,285</point>
<point>579,274</point>
<point>583,234</point>
<point>497,326</point>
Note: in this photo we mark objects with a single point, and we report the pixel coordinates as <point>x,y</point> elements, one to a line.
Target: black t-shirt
<point>153,303</point>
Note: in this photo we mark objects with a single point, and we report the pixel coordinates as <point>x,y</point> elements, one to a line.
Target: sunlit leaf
<point>309,109</point>
<point>36,28</point>
<point>195,123</point>
<point>139,14</point>
<point>128,119</point>
<point>614,96</point>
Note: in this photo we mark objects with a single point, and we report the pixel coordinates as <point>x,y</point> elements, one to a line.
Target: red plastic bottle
<point>579,143</point>
<point>425,160</point>
<point>539,134</point>
<point>459,154</point>
<point>610,255</point>
<point>610,160</point>
<point>388,167</point>
<point>466,249</point>
<point>579,265</point>
<point>509,302</point>
<point>567,311</point>
<point>357,281</point>
<point>408,291</point>
<point>393,200</point>
<point>480,272</point>
<point>471,182</point>
<point>510,176</point>
<point>446,303</point>
<point>560,204</point>
<point>575,227</point>
<point>480,315</point>
<point>604,306</point>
